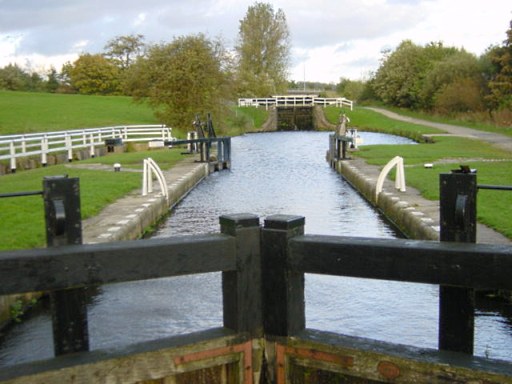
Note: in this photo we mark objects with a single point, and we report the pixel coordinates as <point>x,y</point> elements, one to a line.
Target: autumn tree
<point>263,50</point>
<point>94,74</point>
<point>182,78</point>
<point>500,82</point>
<point>124,50</point>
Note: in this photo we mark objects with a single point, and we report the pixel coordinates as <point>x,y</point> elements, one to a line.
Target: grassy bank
<point>25,112</point>
<point>23,217</point>
<point>493,166</point>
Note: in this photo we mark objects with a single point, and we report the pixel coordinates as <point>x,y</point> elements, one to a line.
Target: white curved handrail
<point>400,175</point>
<point>150,168</point>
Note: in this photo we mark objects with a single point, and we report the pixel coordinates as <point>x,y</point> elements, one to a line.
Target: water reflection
<point>271,173</point>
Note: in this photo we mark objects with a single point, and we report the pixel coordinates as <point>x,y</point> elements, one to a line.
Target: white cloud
<point>330,38</point>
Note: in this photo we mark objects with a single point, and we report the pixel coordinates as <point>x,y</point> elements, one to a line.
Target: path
<point>412,196</point>
<point>501,141</point>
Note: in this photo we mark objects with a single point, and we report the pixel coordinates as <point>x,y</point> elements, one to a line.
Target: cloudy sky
<point>330,38</point>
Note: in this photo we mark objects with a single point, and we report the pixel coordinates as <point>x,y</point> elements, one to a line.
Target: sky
<point>330,39</point>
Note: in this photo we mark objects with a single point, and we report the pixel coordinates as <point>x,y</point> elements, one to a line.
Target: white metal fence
<point>13,147</point>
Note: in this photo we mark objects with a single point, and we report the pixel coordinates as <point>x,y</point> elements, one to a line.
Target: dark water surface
<point>272,173</point>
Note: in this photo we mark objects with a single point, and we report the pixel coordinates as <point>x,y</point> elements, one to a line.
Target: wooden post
<point>283,290</point>
<point>241,289</point>
<point>458,223</point>
<point>63,227</point>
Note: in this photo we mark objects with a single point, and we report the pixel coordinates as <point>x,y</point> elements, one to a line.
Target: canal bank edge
<point>130,217</point>
<point>416,217</point>
<point>126,219</point>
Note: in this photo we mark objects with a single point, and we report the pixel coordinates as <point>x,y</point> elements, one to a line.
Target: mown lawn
<point>23,217</point>
<point>26,112</point>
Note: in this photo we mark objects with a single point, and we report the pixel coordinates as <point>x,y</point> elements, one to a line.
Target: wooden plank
<point>477,266</point>
<point>75,266</point>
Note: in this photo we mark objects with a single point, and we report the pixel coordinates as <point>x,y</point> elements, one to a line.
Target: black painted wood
<point>458,223</point>
<point>75,266</point>
<point>63,227</point>
<point>241,289</point>
<point>483,266</point>
<point>282,288</point>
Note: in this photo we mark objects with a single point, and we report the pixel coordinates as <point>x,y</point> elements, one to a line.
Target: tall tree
<point>124,50</point>
<point>500,84</point>
<point>182,78</point>
<point>263,50</point>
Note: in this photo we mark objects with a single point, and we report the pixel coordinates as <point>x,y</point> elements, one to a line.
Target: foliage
<point>187,76</point>
<point>402,74</point>
<point>95,75</point>
<point>263,51</point>
<point>352,90</point>
<point>124,50</point>
<point>460,71</point>
<point>13,78</point>
<point>500,83</point>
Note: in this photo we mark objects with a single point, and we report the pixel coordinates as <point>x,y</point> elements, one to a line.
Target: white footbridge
<point>295,101</point>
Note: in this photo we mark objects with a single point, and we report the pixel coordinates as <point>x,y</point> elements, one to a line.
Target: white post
<point>69,148</point>
<point>44,151</point>
<point>92,153</point>
<point>12,151</point>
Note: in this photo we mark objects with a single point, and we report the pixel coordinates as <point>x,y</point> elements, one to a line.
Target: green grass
<point>371,121</point>
<point>468,121</point>
<point>23,217</point>
<point>25,112</point>
<point>493,166</point>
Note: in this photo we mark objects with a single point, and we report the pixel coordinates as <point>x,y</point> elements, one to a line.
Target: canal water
<point>272,173</point>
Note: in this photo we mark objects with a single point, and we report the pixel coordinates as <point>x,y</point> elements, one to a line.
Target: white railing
<point>41,144</point>
<point>295,100</point>
<point>399,177</point>
<point>151,168</point>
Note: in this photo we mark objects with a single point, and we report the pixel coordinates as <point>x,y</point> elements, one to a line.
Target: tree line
<point>198,74</point>
<point>188,75</point>
<point>440,79</point>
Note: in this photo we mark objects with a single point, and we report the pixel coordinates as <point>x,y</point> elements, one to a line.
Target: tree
<point>187,76</point>
<point>263,51</point>
<point>94,74</point>
<point>52,84</point>
<point>13,78</point>
<point>124,50</point>
<point>500,83</point>
<point>401,76</point>
<point>459,71</point>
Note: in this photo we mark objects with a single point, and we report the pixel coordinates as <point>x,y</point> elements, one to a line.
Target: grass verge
<point>23,217</point>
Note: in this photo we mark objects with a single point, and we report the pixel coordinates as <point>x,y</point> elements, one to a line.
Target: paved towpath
<point>501,141</point>
<point>431,209</point>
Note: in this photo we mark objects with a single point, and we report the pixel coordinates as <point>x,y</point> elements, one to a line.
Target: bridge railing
<point>293,101</point>
<point>263,299</point>
<point>13,147</point>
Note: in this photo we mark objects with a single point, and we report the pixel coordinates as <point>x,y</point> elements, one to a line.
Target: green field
<point>26,112</point>
<point>22,218</point>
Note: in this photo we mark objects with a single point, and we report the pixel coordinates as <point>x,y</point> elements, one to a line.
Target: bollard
<point>458,223</point>
<point>63,227</point>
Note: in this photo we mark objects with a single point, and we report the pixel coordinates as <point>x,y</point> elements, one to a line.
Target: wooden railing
<point>264,330</point>
<point>295,100</point>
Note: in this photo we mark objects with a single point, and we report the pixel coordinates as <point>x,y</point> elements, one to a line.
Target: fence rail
<point>13,147</point>
<point>292,101</point>
<point>263,269</point>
